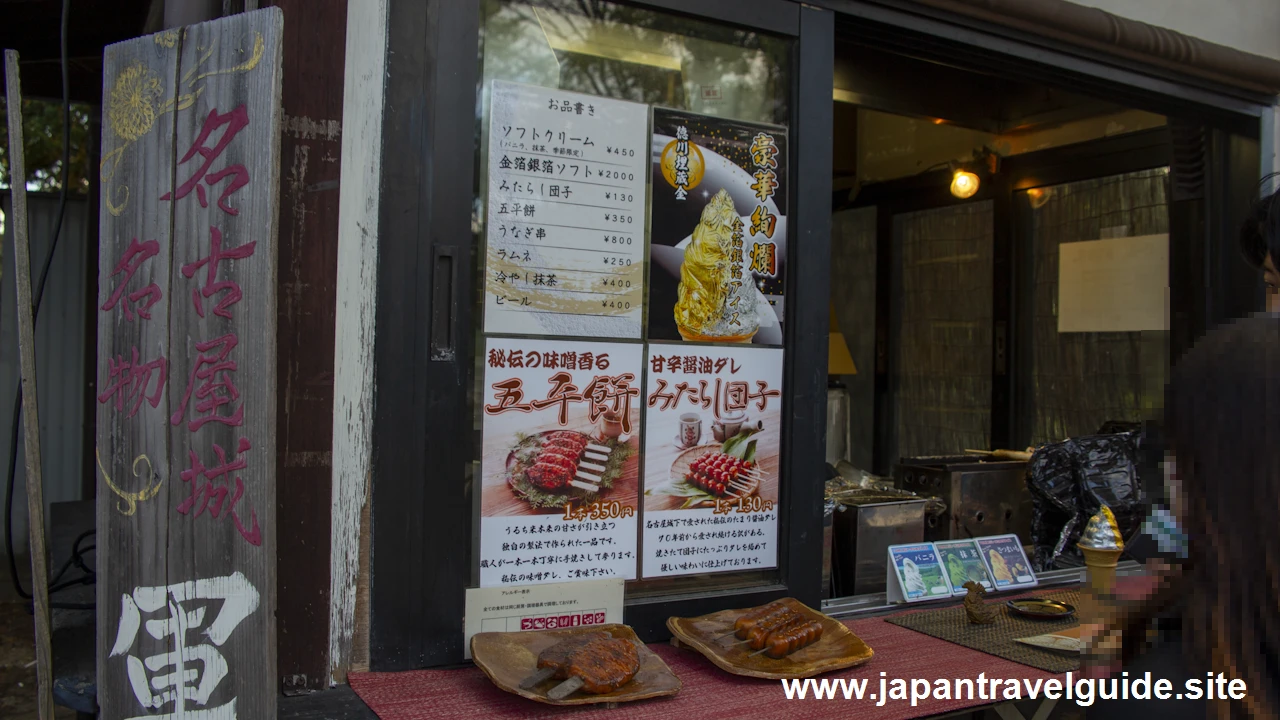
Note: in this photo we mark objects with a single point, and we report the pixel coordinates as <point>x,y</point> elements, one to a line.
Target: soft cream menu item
<point>565,220</point>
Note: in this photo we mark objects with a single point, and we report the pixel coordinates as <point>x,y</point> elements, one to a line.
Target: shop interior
<point>1000,264</point>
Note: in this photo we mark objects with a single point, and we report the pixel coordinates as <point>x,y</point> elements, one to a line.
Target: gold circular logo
<point>696,166</point>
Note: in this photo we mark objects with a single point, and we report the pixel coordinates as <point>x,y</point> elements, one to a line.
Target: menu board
<point>963,563</point>
<point>560,466</point>
<point>565,230</point>
<point>713,426</point>
<point>718,230</point>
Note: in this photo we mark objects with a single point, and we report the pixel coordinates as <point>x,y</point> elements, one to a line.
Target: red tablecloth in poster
<point>709,693</point>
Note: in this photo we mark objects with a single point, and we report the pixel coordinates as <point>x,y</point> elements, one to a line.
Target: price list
<point>565,231</point>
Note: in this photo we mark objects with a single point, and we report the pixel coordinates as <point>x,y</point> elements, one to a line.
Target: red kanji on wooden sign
<point>236,120</point>
<point>134,255</point>
<point>130,379</point>
<point>215,389</point>
<point>211,284</point>
<point>204,492</point>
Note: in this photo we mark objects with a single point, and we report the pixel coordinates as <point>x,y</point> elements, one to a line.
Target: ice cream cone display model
<point>715,303</point>
<point>1102,546</point>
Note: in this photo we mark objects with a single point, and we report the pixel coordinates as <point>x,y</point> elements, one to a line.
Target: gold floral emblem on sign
<point>134,102</point>
<point>137,100</point>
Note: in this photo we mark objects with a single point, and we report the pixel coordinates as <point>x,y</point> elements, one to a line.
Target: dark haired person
<point>1219,612</point>
<point>1161,541</point>
<point>1260,242</point>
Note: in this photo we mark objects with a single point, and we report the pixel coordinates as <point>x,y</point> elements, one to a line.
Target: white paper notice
<point>566,213</point>
<point>1115,285</point>
<point>712,456</point>
<point>561,463</point>
<point>556,606</point>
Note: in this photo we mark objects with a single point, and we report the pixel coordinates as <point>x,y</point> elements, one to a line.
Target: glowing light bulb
<point>964,184</point>
<point>1039,197</point>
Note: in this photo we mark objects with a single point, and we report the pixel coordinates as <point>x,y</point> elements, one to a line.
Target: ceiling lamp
<point>964,184</point>
<point>1039,197</point>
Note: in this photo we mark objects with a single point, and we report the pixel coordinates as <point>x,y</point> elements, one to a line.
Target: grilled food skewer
<point>600,666</point>
<point>791,639</point>
<point>554,660</point>
<point>750,618</point>
<point>758,636</point>
<point>563,460</point>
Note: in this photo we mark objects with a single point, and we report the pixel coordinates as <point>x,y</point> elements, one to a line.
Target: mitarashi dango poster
<point>718,228</point>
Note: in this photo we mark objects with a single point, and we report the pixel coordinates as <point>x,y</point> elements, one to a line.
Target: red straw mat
<point>712,694</point>
<point>708,693</point>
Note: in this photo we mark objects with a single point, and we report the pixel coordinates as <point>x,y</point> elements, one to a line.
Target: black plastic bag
<point>1070,481</point>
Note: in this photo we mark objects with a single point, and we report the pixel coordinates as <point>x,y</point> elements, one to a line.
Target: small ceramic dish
<point>1041,609</point>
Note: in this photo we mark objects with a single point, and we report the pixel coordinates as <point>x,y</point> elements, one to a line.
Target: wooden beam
<point>357,262</point>
<point>30,413</point>
<point>310,151</point>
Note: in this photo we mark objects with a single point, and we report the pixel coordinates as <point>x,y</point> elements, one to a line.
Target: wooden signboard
<point>187,371</point>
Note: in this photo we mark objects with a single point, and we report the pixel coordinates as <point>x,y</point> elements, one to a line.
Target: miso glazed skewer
<point>598,667</point>
<point>554,661</point>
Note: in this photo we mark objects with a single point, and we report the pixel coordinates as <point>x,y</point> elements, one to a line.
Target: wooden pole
<point>30,417</point>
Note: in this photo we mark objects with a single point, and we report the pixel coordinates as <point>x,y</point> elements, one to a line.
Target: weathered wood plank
<point>310,149</point>
<point>205,564</point>
<point>30,415</point>
<point>366,62</point>
<point>223,337</point>
<point>141,97</point>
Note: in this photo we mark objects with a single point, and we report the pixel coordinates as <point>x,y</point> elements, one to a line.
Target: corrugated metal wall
<point>60,354</point>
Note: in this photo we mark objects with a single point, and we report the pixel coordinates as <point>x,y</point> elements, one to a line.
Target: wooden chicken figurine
<point>975,608</point>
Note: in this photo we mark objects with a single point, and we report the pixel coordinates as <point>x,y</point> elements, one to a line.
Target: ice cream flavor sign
<point>718,229</point>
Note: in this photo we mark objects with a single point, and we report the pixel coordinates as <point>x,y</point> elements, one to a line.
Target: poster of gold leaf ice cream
<point>718,224</point>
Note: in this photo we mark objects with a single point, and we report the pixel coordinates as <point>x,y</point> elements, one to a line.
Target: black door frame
<point>424,344</point>
<point>423,347</point>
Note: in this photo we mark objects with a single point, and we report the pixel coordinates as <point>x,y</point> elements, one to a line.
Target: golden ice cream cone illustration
<point>716,300</point>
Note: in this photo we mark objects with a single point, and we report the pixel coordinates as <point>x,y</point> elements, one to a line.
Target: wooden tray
<point>837,649</point>
<point>508,658</point>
